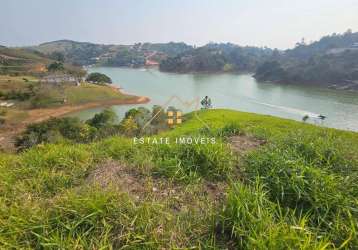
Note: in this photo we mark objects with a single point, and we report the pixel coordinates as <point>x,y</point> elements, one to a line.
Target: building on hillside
<point>151,63</point>
<point>61,78</point>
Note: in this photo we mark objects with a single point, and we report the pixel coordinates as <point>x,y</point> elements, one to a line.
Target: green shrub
<point>104,119</point>
<point>98,78</point>
<point>229,130</point>
<point>55,66</point>
<point>54,131</point>
<point>16,95</point>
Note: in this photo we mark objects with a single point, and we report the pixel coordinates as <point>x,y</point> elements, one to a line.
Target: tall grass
<point>310,177</point>
<point>257,223</point>
<point>299,191</point>
<point>190,162</point>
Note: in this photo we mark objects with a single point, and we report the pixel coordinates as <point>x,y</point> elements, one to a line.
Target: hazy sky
<point>274,23</point>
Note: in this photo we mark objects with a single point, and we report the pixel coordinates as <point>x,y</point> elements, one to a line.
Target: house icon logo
<point>176,117</point>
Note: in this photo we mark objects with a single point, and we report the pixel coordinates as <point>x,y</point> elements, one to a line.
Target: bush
<point>54,131</point>
<point>229,130</point>
<point>16,95</point>
<point>98,78</point>
<point>55,66</point>
<point>57,130</point>
<point>105,118</point>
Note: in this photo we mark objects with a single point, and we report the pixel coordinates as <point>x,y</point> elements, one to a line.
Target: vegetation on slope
<point>81,53</point>
<point>297,191</point>
<point>17,62</point>
<point>28,93</point>
<point>32,101</point>
<point>329,61</point>
<point>98,78</point>
<point>216,58</point>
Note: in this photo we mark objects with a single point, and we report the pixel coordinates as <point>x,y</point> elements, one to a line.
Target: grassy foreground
<point>296,191</point>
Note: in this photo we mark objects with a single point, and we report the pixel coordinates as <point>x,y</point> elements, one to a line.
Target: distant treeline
<point>217,58</point>
<point>80,53</point>
<point>333,60</point>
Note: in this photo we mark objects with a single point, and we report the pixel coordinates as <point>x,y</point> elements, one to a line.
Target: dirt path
<point>39,115</point>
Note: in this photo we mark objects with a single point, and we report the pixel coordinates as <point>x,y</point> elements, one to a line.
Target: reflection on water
<point>240,92</point>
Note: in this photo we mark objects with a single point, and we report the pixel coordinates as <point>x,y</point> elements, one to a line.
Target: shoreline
<point>43,114</point>
<point>38,115</point>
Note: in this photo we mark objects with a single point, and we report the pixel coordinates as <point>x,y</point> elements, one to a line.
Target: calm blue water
<point>240,92</point>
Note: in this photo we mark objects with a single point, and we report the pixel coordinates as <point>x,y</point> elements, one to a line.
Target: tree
<point>105,118</point>
<point>55,66</point>
<point>129,127</point>
<point>57,56</point>
<point>53,131</point>
<point>98,78</point>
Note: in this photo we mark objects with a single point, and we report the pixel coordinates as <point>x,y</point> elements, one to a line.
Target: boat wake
<point>290,110</point>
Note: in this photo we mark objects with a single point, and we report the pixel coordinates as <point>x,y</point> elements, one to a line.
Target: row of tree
<point>217,58</point>
<point>333,60</point>
<point>137,122</point>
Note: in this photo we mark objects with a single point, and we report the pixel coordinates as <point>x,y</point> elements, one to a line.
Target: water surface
<point>232,91</point>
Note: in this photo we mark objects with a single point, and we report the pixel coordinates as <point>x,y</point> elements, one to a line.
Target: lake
<point>233,91</point>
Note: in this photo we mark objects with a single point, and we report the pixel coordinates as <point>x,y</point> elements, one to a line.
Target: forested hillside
<point>331,61</point>
<point>17,61</point>
<point>217,58</point>
<point>83,53</point>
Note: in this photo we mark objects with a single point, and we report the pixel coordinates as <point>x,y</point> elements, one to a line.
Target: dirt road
<point>39,115</point>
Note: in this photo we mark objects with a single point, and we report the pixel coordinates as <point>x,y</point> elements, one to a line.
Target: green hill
<point>267,183</point>
<point>19,61</point>
<point>83,53</point>
<point>331,61</point>
<point>213,58</point>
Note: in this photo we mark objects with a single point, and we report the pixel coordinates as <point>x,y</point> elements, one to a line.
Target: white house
<point>61,78</point>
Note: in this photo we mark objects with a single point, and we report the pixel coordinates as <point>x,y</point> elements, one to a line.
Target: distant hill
<point>331,61</point>
<point>14,60</point>
<point>217,58</point>
<point>83,53</point>
<point>18,61</point>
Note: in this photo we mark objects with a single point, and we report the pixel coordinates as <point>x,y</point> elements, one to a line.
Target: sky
<point>273,23</point>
